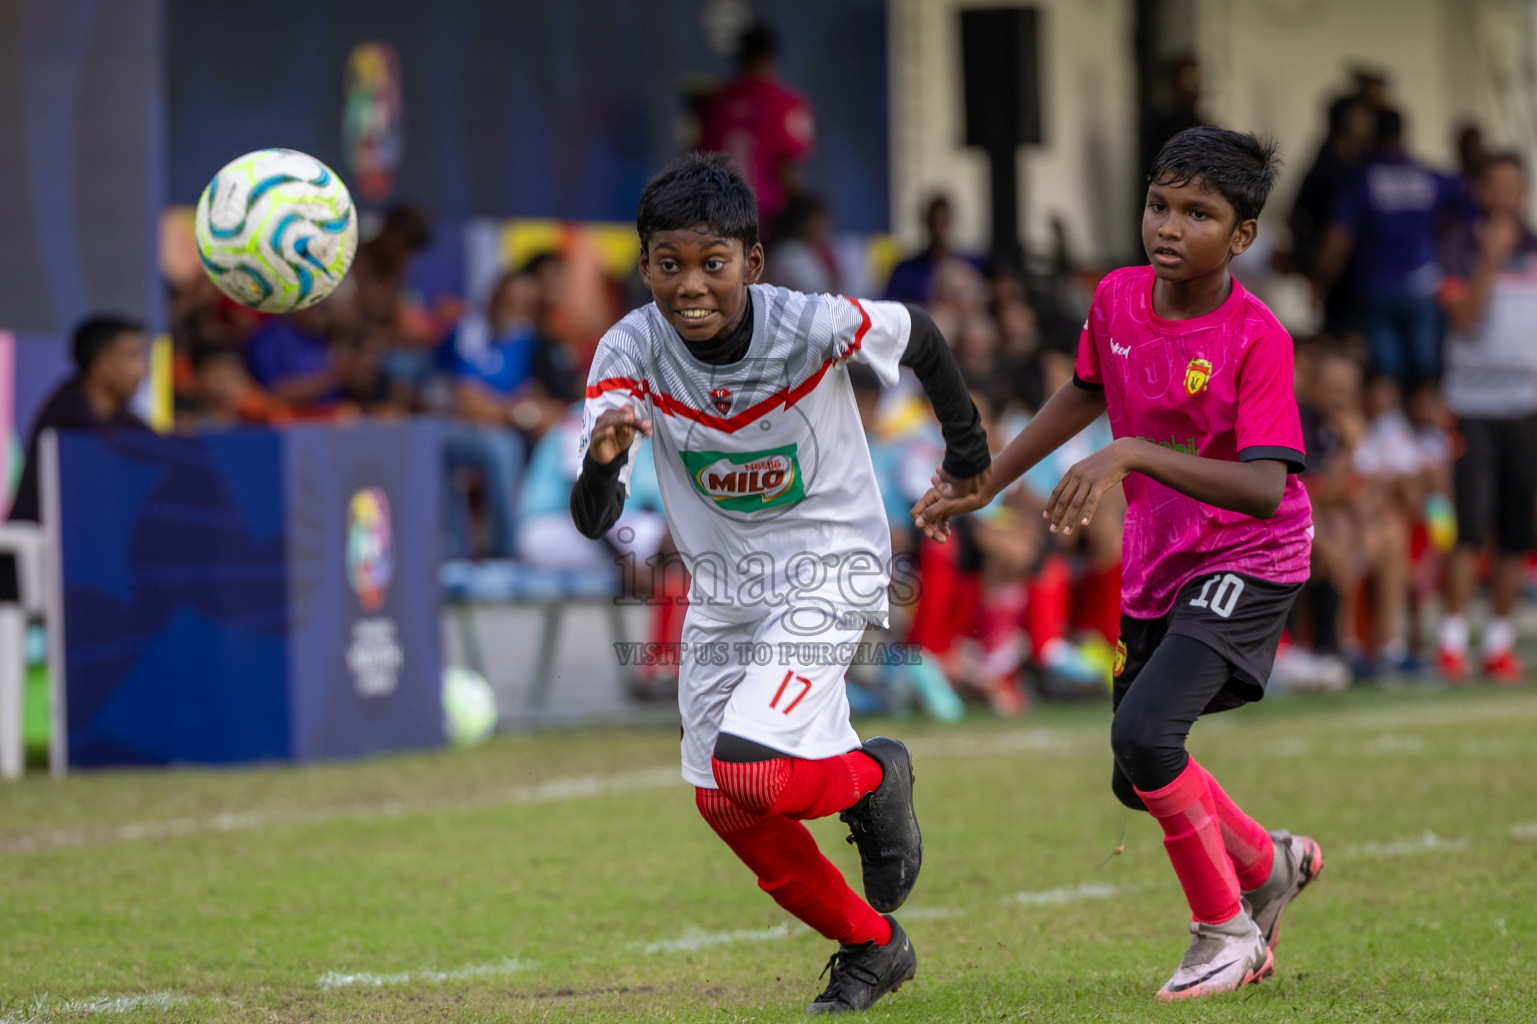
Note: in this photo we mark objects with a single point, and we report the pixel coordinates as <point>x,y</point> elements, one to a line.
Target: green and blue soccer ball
<point>469,707</point>
<point>276,230</point>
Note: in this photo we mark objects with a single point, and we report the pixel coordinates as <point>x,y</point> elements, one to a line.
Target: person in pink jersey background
<point>762,124</point>
<point>1196,376</point>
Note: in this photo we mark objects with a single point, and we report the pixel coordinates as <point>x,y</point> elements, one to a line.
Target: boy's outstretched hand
<point>614,433</point>
<point>1077,494</point>
<point>947,497</point>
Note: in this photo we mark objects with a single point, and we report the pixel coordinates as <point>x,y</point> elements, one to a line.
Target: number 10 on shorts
<point>784,684</point>
<point>1222,602</point>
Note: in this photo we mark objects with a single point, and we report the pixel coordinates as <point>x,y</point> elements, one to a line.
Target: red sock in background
<point>798,788</point>
<point>1049,601</point>
<point>1097,602</point>
<point>671,605</point>
<point>947,601</point>
<point>1000,623</point>
<point>793,871</point>
<point>1248,845</point>
<point>1192,835</point>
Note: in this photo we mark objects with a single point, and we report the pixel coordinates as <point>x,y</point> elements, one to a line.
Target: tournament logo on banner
<point>373,118</point>
<point>370,547</point>
<point>374,656</point>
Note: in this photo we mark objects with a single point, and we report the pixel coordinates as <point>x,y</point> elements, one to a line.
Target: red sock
<point>1192,836</point>
<point>798,788</point>
<point>793,871</point>
<point>1248,844</point>
<point>1097,602</point>
<point>668,612</point>
<point>1049,603</point>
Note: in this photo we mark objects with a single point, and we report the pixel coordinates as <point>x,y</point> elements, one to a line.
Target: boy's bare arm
<point>1252,488</point>
<point>1067,412</point>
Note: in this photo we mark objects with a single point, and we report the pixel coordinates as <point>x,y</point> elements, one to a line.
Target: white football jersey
<point>763,466</point>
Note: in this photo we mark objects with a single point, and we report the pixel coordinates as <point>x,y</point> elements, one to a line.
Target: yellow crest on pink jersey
<point>1197,374</point>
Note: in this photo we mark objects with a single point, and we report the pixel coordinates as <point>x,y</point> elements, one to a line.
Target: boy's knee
<point>749,774</point>
<point>1144,753</point>
<point>1131,739</point>
<point>722,813</point>
<point>1124,791</point>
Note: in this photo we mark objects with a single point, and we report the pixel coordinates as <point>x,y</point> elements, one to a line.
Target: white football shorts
<point>763,681</point>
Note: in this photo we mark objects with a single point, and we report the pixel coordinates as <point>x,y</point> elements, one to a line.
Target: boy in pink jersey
<point>1196,375</point>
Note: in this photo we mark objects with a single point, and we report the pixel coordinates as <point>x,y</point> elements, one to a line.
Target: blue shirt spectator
<point>1393,208</point>
<point>1389,218</point>
<point>911,279</point>
<point>499,362</point>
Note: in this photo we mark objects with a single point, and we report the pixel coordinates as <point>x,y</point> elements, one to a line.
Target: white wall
<point>1271,66</point>
<point>1274,65</point>
<point>1085,171</point>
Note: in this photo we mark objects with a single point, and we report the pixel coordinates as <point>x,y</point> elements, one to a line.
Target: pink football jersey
<point>1218,386</point>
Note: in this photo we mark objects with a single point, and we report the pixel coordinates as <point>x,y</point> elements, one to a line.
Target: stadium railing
<point>470,586</point>
<point>24,542</point>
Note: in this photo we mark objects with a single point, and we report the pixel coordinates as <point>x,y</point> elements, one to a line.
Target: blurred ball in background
<point>469,707</point>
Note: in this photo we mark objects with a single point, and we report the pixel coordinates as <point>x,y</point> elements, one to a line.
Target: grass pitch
<point>566,876</point>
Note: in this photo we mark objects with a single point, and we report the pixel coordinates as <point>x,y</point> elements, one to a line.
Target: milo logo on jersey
<point>747,481</point>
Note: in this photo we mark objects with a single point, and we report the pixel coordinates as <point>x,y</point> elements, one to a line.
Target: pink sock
<point>1248,844</point>
<point>1192,836</point>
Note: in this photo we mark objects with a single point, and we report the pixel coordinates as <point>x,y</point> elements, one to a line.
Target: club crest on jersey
<point>1197,375</point>
<point>747,481</point>
<point>1119,664</point>
<point>722,399</point>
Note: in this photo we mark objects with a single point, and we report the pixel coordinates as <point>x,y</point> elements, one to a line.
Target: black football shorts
<point>1240,617</point>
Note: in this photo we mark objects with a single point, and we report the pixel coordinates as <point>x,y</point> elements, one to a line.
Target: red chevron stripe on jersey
<point>669,405</point>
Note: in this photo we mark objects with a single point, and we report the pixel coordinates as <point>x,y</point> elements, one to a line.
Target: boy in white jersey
<point>771,497</point>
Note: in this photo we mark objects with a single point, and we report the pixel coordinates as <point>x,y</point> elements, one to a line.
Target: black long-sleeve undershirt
<point>966,452</point>
<point>597,499</point>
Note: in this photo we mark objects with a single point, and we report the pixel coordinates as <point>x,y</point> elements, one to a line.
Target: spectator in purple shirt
<point>291,357</point>
<point>912,279</point>
<point>1390,215</point>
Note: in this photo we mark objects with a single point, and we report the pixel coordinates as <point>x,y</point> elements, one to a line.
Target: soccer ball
<point>469,707</point>
<point>276,230</point>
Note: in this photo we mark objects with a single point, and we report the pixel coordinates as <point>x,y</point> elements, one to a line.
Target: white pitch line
<point>1075,894</point>
<point>336,979</point>
<point>1427,843</point>
<point>1525,830</point>
<point>1439,714</point>
<point>1059,740</point>
<point>553,791</point>
<point>42,1010</point>
<point>1394,745</point>
<point>1014,741</point>
<point>696,938</point>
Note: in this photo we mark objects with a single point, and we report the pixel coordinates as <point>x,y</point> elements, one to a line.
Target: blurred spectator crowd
<point>1416,344</point>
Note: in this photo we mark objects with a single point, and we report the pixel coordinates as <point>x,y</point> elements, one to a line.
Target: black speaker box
<point>1001,67</point>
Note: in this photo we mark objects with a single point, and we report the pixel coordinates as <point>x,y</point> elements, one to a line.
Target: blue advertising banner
<point>250,594</point>
<point>484,108</point>
<point>362,535</point>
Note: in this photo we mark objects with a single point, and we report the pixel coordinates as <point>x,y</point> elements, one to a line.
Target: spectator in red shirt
<point>765,126</point>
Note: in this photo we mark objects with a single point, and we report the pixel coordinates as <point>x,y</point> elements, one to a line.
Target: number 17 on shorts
<point>800,708</point>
